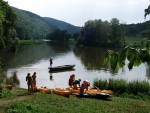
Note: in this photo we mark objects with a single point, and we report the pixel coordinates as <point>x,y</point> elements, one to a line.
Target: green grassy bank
<point>51,103</point>
<point>129,97</point>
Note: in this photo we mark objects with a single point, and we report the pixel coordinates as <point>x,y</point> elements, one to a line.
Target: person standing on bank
<point>51,62</point>
<point>34,81</point>
<point>29,82</point>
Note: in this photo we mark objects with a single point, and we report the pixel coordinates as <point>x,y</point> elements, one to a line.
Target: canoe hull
<point>96,96</point>
<point>61,68</point>
<point>61,92</point>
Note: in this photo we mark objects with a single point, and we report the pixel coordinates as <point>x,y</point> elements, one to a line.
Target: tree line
<point>93,33</point>
<point>8,35</point>
<point>100,33</point>
<point>104,33</point>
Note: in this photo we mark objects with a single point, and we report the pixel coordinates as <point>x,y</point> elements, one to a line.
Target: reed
<point>122,86</point>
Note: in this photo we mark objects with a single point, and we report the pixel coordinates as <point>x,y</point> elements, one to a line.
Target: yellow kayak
<point>96,91</point>
<point>44,90</point>
<point>90,91</point>
<point>62,92</point>
<point>73,91</point>
<point>7,86</point>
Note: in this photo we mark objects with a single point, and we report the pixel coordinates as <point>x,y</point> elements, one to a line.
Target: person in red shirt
<point>71,79</point>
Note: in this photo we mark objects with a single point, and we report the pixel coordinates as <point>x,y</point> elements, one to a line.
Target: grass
<point>133,41</point>
<point>29,42</point>
<point>129,97</point>
<point>120,86</point>
<point>51,103</point>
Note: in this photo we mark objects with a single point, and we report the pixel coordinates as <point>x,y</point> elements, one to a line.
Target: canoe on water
<point>61,68</point>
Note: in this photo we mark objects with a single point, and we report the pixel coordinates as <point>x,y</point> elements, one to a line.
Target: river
<point>88,65</point>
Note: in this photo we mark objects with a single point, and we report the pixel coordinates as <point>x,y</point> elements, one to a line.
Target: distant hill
<point>142,29</point>
<point>33,26</point>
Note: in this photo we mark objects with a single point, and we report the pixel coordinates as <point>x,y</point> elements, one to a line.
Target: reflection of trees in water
<point>28,54</point>
<point>13,80</point>
<point>92,58</point>
<point>59,47</point>
<point>2,68</point>
<point>147,71</point>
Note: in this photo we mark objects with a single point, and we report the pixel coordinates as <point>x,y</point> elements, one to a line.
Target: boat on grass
<point>96,96</point>
<point>62,92</point>
<point>61,68</point>
<point>90,91</point>
<point>43,90</point>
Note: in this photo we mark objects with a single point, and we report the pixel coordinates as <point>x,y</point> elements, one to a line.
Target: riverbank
<point>21,102</point>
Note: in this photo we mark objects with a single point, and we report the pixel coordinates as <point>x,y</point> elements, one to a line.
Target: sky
<point>77,12</point>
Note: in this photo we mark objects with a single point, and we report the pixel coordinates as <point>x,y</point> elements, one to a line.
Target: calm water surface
<point>88,61</point>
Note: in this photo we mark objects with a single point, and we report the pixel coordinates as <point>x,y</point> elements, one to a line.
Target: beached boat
<point>90,91</point>
<point>62,92</point>
<point>7,86</point>
<point>44,90</point>
<point>97,96</point>
<point>97,91</point>
<point>61,68</point>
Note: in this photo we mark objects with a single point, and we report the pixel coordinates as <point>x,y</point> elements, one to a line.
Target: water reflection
<point>92,58</point>
<point>88,61</point>
<point>13,80</point>
<point>148,72</point>
<point>51,77</point>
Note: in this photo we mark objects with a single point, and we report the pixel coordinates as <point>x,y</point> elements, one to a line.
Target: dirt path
<point>6,102</point>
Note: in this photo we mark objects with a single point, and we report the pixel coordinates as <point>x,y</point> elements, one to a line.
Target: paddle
<point>96,87</point>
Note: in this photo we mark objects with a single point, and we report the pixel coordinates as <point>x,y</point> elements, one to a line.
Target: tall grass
<point>122,86</point>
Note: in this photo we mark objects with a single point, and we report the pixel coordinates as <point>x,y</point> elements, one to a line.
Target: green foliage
<point>136,30</point>
<point>99,33</point>
<point>5,92</point>
<point>8,35</point>
<point>32,26</point>
<point>133,55</point>
<point>29,42</point>
<point>136,87</point>
<point>51,103</point>
<point>59,36</point>
<point>111,57</point>
<point>147,11</point>
<point>121,87</point>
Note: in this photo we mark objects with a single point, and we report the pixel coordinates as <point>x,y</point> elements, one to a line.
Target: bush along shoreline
<point>120,87</point>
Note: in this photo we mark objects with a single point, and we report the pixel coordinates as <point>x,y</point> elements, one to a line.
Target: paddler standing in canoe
<point>51,62</point>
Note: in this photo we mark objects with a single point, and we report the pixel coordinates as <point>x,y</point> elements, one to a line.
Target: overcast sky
<point>77,12</point>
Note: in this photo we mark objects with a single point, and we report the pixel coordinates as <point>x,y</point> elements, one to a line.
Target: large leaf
<point>107,57</point>
<point>114,60</point>
<point>144,55</point>
<point>122,57</point>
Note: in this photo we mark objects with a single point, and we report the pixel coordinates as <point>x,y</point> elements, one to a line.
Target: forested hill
<point>33,26</point>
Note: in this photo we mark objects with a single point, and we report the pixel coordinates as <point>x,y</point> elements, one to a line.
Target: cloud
<point>77,12</point>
